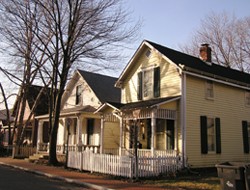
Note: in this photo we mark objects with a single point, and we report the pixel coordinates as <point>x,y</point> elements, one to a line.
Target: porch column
<point>121,136</point>
<point>153,124</point>
<point>79,130</point>
<point>39,134</point>
<point>64,134</point>
<point>102,135</point>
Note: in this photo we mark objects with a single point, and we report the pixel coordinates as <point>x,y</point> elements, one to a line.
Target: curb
<point>68,180</point>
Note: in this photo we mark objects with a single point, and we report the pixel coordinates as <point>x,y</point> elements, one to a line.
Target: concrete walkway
<point>73,176</point>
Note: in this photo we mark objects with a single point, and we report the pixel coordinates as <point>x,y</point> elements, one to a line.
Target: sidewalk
<point>72,176</point>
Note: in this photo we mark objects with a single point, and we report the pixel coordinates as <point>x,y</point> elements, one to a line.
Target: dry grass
<point>203,179</point>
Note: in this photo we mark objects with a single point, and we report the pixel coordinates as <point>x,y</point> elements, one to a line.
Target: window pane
<point>211,134</point>
<point>247,98</point>
<point>148,83</point>
<point>209,89</point>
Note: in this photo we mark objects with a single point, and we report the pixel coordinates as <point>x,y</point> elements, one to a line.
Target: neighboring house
<point>30,132</point>
<point>182,105</point>
<point>4,127</point>
<point>79,125</point>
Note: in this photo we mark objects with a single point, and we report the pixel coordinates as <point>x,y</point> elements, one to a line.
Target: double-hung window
<point>247,98</point>
<point>148,84</point>
<point>210,135</point>
<point>209,89</point>
<point>79,90</point>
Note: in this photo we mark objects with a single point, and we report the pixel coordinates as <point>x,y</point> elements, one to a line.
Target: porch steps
<point>38,158</point>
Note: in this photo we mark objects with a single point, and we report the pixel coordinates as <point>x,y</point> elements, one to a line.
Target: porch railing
<point>141,152</point>
<point>87,148</point>
<point>23,151</point>
<point>43,147</point>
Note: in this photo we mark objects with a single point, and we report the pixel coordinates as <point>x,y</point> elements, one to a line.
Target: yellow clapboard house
<point>188,106</point>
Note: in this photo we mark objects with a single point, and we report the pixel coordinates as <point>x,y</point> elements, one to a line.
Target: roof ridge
<point>93,73</point>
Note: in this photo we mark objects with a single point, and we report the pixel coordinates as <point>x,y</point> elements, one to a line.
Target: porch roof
<point>71,111</point>
<point>78,109</point>
<point>148,103</point>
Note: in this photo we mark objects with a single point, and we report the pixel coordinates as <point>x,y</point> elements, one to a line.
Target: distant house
<point>79,125</point>
<point>182,105</point>
<point>30,132</point>
<point>4,127</point>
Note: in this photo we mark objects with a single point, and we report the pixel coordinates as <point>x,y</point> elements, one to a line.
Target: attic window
<point>79,90</point>
<point>148,53</point>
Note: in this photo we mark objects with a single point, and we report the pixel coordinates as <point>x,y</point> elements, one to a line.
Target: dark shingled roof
<point>43,104</point>
<point>103,86</point>
<point>214,70</point>
<point>3,116</point>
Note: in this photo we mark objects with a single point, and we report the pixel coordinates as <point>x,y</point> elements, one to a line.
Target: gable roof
<point>192,64</point>
<point>43,105</point>
<point>197,65</point>
<point>103,86</point>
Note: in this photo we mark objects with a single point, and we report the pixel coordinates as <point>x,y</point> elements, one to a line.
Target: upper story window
<point>209,91</point>
<point>79,91</point>
<point>148,84</point>
<point>247,98</point>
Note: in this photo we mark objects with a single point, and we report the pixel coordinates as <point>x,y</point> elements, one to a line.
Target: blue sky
<point>171,22</point>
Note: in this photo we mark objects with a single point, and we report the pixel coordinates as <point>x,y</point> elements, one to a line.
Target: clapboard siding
<point>111,135</point>
<point>228,105</point>
<point>170,79</point>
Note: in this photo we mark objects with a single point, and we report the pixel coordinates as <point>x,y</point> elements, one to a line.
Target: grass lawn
<point>197,180</point>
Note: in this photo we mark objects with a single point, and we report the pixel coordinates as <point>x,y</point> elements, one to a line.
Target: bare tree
<point>229,38</point>
<point>17,31</point>
<point>84,30</point>
<point>90,33</point>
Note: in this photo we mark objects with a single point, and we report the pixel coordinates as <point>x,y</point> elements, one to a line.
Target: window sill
<point>209,98</point>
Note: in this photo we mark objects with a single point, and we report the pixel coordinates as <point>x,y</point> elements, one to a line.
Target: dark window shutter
<point>218,135</point>
<point>203,126</point>
<point>245,136</point>
<point>139,87</point>
<point>157,82</point>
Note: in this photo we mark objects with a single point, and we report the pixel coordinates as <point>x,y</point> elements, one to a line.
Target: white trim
<point>217,80</point>
<point>183,118</point>
<point>104,105</point>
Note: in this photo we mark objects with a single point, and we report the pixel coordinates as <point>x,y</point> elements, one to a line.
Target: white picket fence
<point>123,165</point>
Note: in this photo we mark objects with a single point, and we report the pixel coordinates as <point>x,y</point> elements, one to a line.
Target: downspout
<point>183,118</point>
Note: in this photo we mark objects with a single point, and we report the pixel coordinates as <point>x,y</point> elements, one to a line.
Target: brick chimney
<point>205,53</point>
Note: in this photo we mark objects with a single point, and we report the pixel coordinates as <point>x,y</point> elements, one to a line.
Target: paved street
<point>14,179</point>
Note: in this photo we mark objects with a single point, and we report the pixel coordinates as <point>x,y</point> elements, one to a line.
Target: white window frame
<point>150,94</point>
<point>79,88</point>
<point>247,98</point>
<point>209,89</point>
